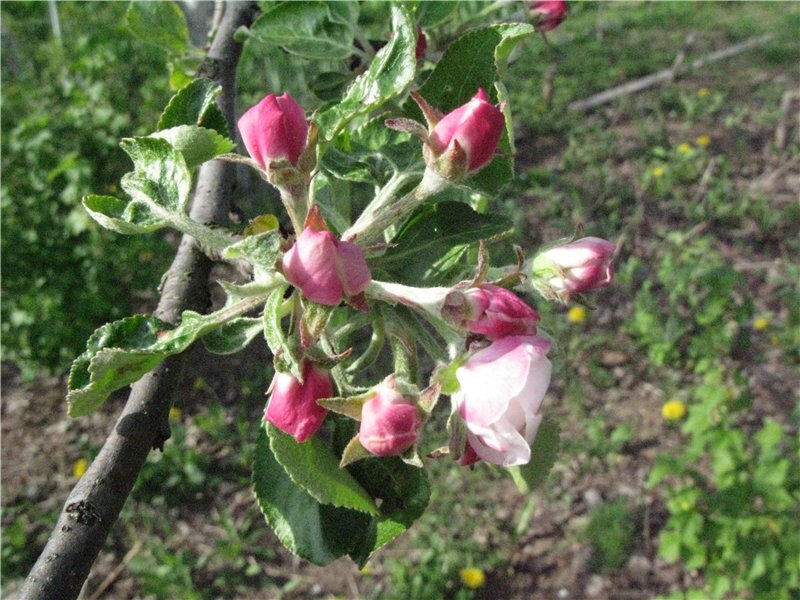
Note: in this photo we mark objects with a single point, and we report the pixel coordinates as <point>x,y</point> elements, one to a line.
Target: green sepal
<point>544,452</point>
<point>349,406</point>
<point>353,452</point>
<point>315,468</point>
<point>314,531</point>
<point>457,442</point>
<point>314,321</point>
<point>126,217</point>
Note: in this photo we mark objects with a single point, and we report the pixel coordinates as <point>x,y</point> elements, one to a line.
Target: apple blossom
<point>292,405</point>
<point>325,268</point>
<point>390,423</point>
<point>497,312</point>
<point>502,388</point>
<point>548,14</point>
<point>274,129</point>
<point>573,268</point>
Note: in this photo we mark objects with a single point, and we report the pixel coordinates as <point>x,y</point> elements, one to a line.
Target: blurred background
<point>677,393</point>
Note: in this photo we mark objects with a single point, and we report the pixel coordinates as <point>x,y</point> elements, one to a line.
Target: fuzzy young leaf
<point>260,249</point>
<point>317,532</point>
<point>197,144</point>
<point>161,175</point>
<point>317,30</point>
<point>315,468</point>
<point>121,216</point>
<point>390,72</point>
<point>195,105</point>
<point>234,335</point>
<point>404,494</point>
<point>159,23</point>
<point>543,456</point>
<point>429,247</point>
<point>119,353</point>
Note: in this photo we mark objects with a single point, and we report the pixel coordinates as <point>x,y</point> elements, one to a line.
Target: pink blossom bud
<point>473,129</point>
<point>390,423</point>
<point>422,44</point>
<point>502,388</point>
<point>326,268</point>
<point>274,129</point>
<point>548,14</point>
<point>293,407</point>
<point>580,266</point>
<point>497,312</point>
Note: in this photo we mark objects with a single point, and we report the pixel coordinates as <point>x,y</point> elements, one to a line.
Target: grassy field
<point>644,501</point>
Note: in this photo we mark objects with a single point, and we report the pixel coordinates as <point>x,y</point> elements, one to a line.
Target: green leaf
<point>316,532</point>
<point>261,249</point>
<point>404,494</point>
<point>286,358</point>
<point>390,72</point>
<point>161,175</point>
<point>315,468</point>
<point>404,319</point>
<point>195,105</point>
<point>234,335</point>
<point>197,144</point>
<point>429,247</point>
<point>119,353</point>
<point>159,23</point>
<point>543,456</point>
<point>317,30</point>
<point>121,216</point>
<point>474,61</point>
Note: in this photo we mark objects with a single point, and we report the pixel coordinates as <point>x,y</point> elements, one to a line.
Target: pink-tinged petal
<point>292,405</point>
<point>352,268</point>
<point>311,266</point>
<point>274,129</point>
<point>517,451</point>
<point>498,313</point>
<point>389,423</point>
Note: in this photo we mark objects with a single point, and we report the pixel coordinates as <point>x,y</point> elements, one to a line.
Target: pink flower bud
<point>548,14</point>
<point>274,129</point>
<point>502,388</point>
<point>581,266</point>
<point>293,407</point>
<point>474,129</point>
<point>389,423</point>
<point>497,312</point>
<point>325,268</point>
<point>422,44</point>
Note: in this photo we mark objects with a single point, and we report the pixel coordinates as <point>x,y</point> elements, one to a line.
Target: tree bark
<point>95,502</point>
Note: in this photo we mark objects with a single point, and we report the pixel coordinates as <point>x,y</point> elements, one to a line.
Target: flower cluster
<point>502,372</point>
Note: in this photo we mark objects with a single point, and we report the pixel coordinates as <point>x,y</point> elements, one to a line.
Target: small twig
<point>783,127</point>
<point>643,83</point>
<point>117,571</point>
<point>705,180</point>
<point>680,58</point>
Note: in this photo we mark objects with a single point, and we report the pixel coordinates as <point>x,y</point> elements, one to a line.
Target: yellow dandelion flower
<point>366,571</point>
<point>658,171</point>
<point>760,323</point>
<point>576,314</point>
<point>175,413</point>
<point>673,410</point>
<point>703,92</point>
<point>79,468</point>
<point>472,577</point>
<point>702,140</point>
<point>684,148</point>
